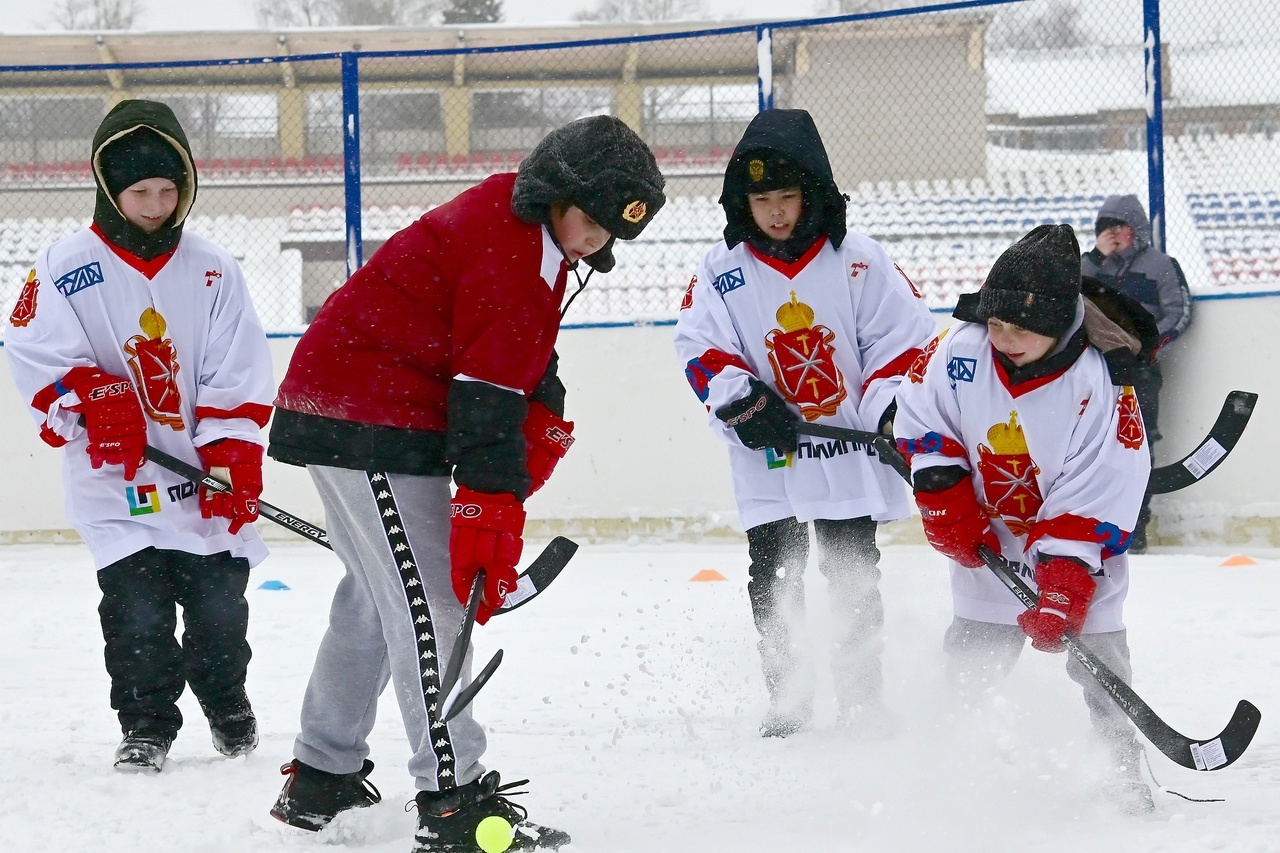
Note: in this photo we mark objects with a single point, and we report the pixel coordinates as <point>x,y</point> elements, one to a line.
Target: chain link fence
<point>954,130</point>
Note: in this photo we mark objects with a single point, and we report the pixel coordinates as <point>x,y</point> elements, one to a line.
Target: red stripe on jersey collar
<point>149,268</point>
<point>790,270</point>
<point>1026,385</point>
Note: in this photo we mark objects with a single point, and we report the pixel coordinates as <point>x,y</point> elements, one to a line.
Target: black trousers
<point>1147,382</point>
<point>849,559</point>
<point>147,665</point>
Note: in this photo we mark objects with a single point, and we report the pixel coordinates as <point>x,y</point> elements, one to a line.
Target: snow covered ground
<point>630,696</point>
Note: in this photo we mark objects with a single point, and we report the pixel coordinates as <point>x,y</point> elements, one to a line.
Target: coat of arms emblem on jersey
<point>1129,432</point>
<point>915,373</point>
<point>25,311</point>
<point>803,361</point>
<point>154,364</point>
<point>1009,476</point>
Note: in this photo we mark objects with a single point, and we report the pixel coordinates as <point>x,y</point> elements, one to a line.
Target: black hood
<point>123,119</point>
<point>789,135</point>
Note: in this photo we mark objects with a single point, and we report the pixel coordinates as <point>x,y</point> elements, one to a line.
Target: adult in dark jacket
<point>435,361</point>
<point>1124,259</point>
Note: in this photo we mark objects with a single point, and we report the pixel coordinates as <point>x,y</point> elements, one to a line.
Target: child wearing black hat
<point>791,319</point>
<point>1024,435</point>
<point>131,333</point>
<point>436,362</point>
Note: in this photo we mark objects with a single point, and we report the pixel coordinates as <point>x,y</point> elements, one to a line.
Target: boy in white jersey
<point>1024,435</point>
<point>793,317</point>
<point>131,333</point>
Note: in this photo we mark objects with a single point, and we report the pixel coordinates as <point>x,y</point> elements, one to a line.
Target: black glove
<point>761,419</point>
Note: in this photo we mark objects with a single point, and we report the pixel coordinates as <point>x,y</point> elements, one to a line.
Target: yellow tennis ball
<point>494,834</point>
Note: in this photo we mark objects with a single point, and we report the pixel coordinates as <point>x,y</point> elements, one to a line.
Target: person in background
<point>793,319</point>
<point>128,333</point>
<point>1123,259</point>
<point>435,363</point>
<point>1025,436</point>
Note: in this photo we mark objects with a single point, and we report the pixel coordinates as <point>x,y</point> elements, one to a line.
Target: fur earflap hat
<point>600,165</point>
<point>1035,283</point>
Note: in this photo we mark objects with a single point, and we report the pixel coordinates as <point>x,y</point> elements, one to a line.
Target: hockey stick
<point>541,572</point>
<point>452,705</point>
<point>1208,455</point>
<point>1212,754</point>
<point>1234,417</point>
<point>882,444</point>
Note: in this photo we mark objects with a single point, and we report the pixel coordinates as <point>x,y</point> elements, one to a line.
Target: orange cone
<point>1239,560</point>
<point>707,575</point>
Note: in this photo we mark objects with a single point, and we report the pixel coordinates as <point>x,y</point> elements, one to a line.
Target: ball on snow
<point>494,834</point>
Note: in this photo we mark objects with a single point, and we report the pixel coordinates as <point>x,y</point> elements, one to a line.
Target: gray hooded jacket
<point>1141,271</point>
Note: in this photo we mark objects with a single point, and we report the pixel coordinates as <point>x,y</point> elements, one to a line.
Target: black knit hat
<point>600,165</point>
<point>1035,283</point>
<point>1104,223</point>
<point>137,156</point>
<point>766,170</point>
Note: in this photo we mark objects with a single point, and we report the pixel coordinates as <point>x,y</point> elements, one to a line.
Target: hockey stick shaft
<point>542,571</point>
<point>1212,754</point>
<point>271,513</point>
<point>452,705</point>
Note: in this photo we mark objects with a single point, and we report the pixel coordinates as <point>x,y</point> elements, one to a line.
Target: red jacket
<point>464,291</point>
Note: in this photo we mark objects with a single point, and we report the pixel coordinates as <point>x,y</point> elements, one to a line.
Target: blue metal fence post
<point>351,158</point>
<point>1153,62</point>
<point>764,66</point>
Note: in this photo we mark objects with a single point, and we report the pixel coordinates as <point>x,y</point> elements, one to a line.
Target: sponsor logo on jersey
<point>182,491</point>
<point>773,461</point>
<point>1009,476</point>
<point>25,311</point>
<point>857,268</point>
<point>153,361</point>
<point>802,357</point>
<point>143,500</point>
<point>728,281</point>
<point>961,370</point>
<point>1129,431</point>
<point>687,301</point>
<point>209,276</point>
<point>79,279</point>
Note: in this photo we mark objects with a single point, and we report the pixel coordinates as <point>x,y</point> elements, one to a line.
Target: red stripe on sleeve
<point>256,412</point>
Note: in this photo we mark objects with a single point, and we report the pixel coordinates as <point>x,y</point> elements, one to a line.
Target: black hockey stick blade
<point>545,568</point>
<point>197,475</point>
<point>462,642</point>
<point>468,693</point>
<point>1227,429</point>
<point>880,443</point>
<point>1211,754</point>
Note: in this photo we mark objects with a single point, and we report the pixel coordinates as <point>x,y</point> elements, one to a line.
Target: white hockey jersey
<point>833,333</point>
<point>1059,462</point>
<point>190,342</point>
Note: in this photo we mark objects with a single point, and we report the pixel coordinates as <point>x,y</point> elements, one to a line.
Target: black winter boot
<point>235,729</point>
<point>141,751</point>
<point>447,820</point>
<point>311,798</point>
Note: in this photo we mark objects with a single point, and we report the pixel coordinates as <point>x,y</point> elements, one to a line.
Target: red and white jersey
<point>833,334</point>
<point>1060,463</point>
<point>188,339</point>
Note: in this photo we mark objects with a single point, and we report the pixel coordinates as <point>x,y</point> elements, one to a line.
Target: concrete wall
<point>646,465</point>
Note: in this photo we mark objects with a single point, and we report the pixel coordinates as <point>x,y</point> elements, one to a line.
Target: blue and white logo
<point>961,370</point>
<point>80,278</point>
<point>728,281</point>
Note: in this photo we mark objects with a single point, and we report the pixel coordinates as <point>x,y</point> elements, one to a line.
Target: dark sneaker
<point>142,752</point>
<point>447,820</point>
<point>311,798</point>
<point>784,722</point>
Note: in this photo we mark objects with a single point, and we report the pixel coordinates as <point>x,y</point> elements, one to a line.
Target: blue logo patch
<point>728,281</point>
<point>80,278</point>
<point>961,370</point>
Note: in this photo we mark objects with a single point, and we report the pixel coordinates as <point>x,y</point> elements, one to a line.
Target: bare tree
<point>1038,26</point>
<point>95,14</point>
<point>473,12</point>
<point>643,10</point>
<point>346,13</point>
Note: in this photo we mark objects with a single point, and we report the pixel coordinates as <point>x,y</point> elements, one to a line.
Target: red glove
<point>242,464</point>
<point>955,524</point>
<point>486,534</point>
<point>1066,588</point>
<point>112,417</point>
<point>547,439</point>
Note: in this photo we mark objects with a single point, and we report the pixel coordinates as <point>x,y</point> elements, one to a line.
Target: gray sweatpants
<point>394,617</point>
<point>981,653</point>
